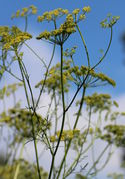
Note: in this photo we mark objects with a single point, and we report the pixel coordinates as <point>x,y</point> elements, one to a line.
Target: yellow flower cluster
<point>3,30</point>
<point>25,12</point>
<point>98,76</point>
<point>13,37</point>
<point>115,134</point>
<point>70,52</point>
<point>27,170</point>
<point>52,15</point>
<point>6,91</point>
<point>62,33</point>
<point>104,78</point>
<point>98,100</point>
<point>76,11</point>
<point>21,121</point>
<point>109,21</point>
<point>66,135</point>
<point>79,17</point>
<point>53,78</point>
<point>86,9</point>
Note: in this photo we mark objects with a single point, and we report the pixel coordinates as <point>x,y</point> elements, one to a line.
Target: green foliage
<point>54,129</point>
<point>21,120</point>
<point>27,170</point>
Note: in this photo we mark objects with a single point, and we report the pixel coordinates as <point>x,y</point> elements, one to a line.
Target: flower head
<point>86,9</point>
<point>52,15</point>
<point>13,37</point>
<point>25,12</point>
<point>109,21</point>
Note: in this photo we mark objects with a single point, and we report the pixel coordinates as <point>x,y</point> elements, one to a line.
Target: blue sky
<point>96,38</point>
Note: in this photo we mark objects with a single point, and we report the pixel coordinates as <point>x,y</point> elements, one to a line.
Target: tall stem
<point>68,146</point>
<point>63,119</point>
<point>86,50</point>
<point>18,165</point>
<point>28,102</point>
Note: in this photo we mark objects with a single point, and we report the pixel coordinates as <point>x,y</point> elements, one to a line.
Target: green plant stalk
<point>63,119</point>
<point>18,165</point>
<point>36,54</point>
<point>96,162</point>
<point>26,23</point>
<point>110,41</point>
<point>74,164</point>
<point>8,71</point>
<point>65,160</point>
<point>56,118</point>
<point>47,70</point>
<point>87,148</point>
<point>48,143</point>
<point>28,82</point>
<point>33,130</point>
<point>68,146</point>
<point>93,159</point>
<point>106,161</point>
<point>84,45</point>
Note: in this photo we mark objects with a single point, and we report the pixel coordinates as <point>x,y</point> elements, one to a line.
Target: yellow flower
<point>25,9</point>
<point>34,9</point>
<point>82,16</point>
<point>55,12</point>
<point>6,46</point>
<point>52,139</point>
<point>76,11</point>
<point>86,9</point>
<point>18,13</point>
<point>65,11</point>
<point>22,14</point>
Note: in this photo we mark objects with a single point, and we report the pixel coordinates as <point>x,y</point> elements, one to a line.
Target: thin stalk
<point>65,160</point>
<point>105,51</point>
<point>47,70</point>
<point>18,165</point>
<point>56,118</point>
<point>11,73</point>
<point>106,161</point>
<point>26,24</point>
<point>81,104</point>
<point>63,119</point>
<point>36,54</point>
<point>96,162</point>
<point>68,146</point>
<point>28,102</point>
<point>77,159</point>
<point>48,143</point>
<point>84,45</point>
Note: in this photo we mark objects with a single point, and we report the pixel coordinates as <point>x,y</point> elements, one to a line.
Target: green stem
<point>48,143</point>
<point>46,74</point>
<point>76,161</point>
<point>63,119</point>
<point>68,146</point>
<point>84,45</point>
<point>8,71</point>
<point>96,162</point>
<point>18,165</point>
<point>36,54</point>
<point>26,24</point>
<point>56,118</point>
<point>33,130</point>
<point>65,160</point>
<point>105,51</point>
